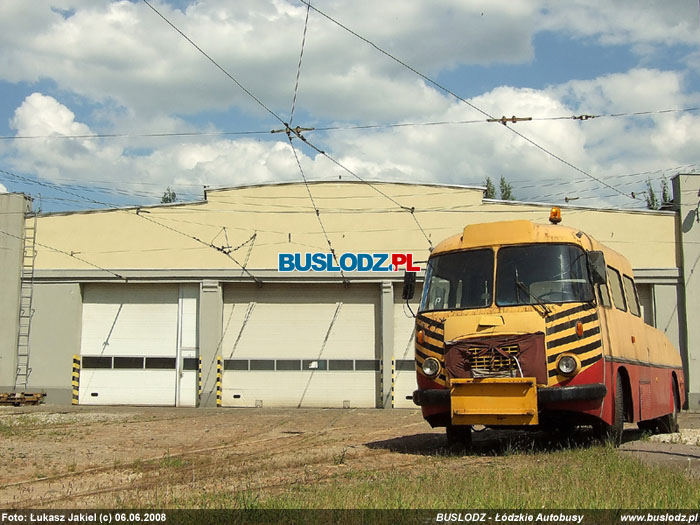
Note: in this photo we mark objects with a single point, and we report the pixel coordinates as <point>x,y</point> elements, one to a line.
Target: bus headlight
<point>431,367</point>
<point>568,365</point>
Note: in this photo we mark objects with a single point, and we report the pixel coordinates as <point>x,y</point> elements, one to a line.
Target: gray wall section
<point>686,190</point>
<point>666,300</point>
<point>211,311</point>
<point>55,338</point>
<point>12,212</point>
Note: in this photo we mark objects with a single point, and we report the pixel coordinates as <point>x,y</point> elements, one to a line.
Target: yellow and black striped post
<point>219,375</point>
<point>199,378</point>
<point>393,381</point>
<point>76,379</point>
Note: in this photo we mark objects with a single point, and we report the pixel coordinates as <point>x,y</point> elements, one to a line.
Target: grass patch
<point>169,461</point>
<point>584,478</point>
<point>7,430</point>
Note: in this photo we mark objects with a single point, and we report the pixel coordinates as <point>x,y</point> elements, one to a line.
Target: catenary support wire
<point>456,96</point>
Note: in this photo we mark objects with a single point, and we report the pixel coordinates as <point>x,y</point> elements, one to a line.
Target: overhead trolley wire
<point>69,254</point>
<point>301,56</point>
<point>296,156</point>
<point>411,210</point>
<point>287,129</point>
<point>55,187</point>
<point>318,213</point>
<point>461,99</point>
<point>581,118</point>
<point>134,135</point>
<point>229,75</point>
<point>224,250</point>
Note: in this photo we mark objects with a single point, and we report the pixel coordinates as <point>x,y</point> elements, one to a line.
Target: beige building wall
<point>356,217</point>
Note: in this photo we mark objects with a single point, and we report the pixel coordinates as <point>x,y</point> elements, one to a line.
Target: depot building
<point>185,305</point>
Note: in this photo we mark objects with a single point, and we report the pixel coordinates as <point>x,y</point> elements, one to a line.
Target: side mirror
<point>409,285</point>
<point>596,267</point>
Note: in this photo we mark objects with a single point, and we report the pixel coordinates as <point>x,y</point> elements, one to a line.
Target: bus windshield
<point>459,280</point>
<point>542,273</point>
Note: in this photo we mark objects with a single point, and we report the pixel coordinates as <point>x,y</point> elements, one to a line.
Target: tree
<point>652,201</point>
<point>490,192</point>
<point>168,196</point>
<point>665,193</point>
<point>506,190</point>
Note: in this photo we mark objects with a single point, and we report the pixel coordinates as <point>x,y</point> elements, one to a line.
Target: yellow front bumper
<point>494,401</point>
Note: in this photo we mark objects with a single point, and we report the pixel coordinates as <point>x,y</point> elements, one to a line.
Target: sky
<point>408,88</point>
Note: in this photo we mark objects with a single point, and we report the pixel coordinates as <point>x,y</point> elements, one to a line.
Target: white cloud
<point>43,115</point>
<point>216,163</point>
<point>456,153</point>
<point>3,189</point>
<point>123,53</point>
<point>639,23</point>
<point>625,92</point>
<point>122,59</point>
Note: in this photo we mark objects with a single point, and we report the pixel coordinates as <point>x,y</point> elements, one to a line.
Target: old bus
<point>538,326</point>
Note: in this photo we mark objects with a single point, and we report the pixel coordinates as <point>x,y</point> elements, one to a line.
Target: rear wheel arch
<point>675,385</point>
<point>628,401</point>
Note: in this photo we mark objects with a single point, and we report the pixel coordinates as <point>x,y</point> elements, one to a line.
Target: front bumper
<point>545,395</point>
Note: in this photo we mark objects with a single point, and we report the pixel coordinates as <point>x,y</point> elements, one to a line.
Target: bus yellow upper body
<point>522,319</point>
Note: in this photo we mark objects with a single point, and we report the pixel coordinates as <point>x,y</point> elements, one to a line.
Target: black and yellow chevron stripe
<point>75,382</point>
<point>433,344</point>
<point>561,336</point>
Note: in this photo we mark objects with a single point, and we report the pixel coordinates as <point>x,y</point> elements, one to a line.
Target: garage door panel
<point>114,320</point>
<point>127,387</point>
<point>294,324</point>
<point>132,338</point>
<point>299,389</point>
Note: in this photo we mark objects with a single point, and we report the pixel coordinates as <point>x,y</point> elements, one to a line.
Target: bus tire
<point>649,425</point>
<point>668,424</point>
<point>459,436</point>
<point>612,434</point>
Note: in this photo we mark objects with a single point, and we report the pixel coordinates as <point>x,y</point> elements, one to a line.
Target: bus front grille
<point>492,360</point>
<point>520,355</point>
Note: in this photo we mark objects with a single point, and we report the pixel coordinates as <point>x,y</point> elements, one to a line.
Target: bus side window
<point>604,295</point>
<point>632,297</point>
<point>618,295</point>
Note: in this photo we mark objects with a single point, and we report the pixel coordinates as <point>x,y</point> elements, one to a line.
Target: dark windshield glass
<point>459,280</point>
<point>545,273</point>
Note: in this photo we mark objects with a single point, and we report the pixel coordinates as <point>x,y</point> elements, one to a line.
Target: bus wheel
<point>459,436</point>
<point>669,423</point>
<point>650,425</point>
<point>613,433</point>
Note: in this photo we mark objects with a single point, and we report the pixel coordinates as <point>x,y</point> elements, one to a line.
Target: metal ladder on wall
<point>26,311</point>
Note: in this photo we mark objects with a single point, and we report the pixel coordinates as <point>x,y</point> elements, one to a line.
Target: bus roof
<point>504,233</point>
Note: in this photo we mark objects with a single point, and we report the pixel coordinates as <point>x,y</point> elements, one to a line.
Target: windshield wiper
<point>539,302</point>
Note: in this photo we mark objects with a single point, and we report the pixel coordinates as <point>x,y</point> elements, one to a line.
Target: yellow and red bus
<point>538,326</point>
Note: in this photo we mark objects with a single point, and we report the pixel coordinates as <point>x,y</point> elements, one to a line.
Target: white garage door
<point>300,345</point>
<point>139,345</point>
<point>404,352</point>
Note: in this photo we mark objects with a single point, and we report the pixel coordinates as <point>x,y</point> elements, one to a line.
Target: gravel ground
<point>82,457</point>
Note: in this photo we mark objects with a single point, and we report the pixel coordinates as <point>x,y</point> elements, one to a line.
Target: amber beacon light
<point>555,215</point>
